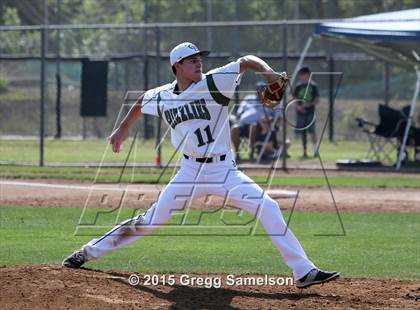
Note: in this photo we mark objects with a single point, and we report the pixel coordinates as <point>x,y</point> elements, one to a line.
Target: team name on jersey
<point>193,110</point>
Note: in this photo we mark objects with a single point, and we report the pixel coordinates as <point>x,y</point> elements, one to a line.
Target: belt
<point>206,159</point>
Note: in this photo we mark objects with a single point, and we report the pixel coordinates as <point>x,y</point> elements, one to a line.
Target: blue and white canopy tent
<point>393,37</point>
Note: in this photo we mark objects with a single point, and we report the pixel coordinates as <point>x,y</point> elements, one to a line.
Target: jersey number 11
<point>200,136</point>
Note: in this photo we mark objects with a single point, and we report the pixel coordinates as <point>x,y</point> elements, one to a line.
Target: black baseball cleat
<point>316,276</point>
<point>75,260</point>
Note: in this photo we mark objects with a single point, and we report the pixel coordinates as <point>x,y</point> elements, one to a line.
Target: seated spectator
<point>250,112</point>
<point>272,148</point>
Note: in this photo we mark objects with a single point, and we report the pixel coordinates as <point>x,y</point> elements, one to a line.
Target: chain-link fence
<point>137,58</point>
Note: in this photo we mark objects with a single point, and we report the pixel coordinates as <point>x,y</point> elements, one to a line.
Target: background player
<point>195,107</point>
<point>308,97</point>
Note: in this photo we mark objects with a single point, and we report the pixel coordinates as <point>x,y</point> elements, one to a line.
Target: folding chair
<point>385,137</point>
<point>245,146</point>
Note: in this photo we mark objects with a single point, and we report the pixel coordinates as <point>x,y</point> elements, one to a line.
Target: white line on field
<point>274,193</point>
<point>47,185</point>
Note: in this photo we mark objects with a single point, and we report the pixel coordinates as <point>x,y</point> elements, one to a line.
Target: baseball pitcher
<point>195,106</point>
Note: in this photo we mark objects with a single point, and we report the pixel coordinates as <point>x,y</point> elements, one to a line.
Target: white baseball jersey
<point>198,116</point>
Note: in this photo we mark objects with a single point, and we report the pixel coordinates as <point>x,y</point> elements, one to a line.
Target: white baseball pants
<point>195,180</point>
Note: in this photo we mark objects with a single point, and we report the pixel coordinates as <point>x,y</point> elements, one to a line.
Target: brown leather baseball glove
<point>274,92</point>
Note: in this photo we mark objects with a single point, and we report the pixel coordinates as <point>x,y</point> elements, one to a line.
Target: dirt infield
<point>55,287</point>
<point>59,194</point>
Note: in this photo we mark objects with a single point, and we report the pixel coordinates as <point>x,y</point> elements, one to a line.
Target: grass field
<point>96,151</point>
<point>382,245</point>
<point>153,175</point>
<point>76,151</point>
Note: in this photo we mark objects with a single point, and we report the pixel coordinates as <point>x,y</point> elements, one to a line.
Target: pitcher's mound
<point>55,287</point>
